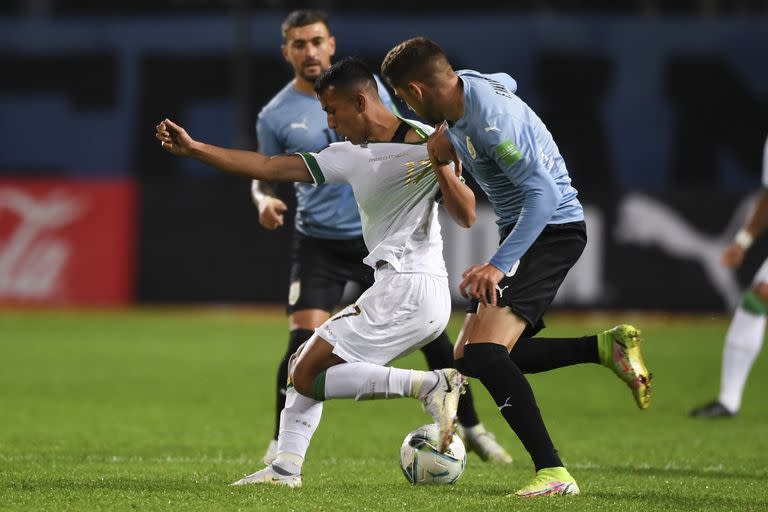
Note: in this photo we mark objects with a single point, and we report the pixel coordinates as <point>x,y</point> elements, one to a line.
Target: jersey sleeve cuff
<point>499,265</point>
<point>313,167</point>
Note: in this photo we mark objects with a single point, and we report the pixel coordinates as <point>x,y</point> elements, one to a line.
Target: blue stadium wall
<point>661,122</point>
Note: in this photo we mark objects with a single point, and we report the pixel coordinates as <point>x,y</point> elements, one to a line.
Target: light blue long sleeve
<point>539,204</point>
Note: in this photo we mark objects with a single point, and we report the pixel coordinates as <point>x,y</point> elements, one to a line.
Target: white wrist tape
<point>258,195</point>
<point>743,239</point>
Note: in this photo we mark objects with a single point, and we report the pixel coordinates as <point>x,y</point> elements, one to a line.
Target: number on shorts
<point>356,312</point>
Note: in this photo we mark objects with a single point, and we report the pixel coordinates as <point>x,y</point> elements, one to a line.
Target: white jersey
<point>396,190</point>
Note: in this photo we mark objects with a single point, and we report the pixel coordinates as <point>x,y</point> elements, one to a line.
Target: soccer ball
<point>422,462</point>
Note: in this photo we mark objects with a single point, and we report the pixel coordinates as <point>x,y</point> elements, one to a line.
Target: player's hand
<point>173,138</point>
<point>440,150</point>
<point>733,255</point>
<point>480,283</point>
<point>271,212</point>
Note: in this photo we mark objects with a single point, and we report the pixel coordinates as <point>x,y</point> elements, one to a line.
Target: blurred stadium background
<point>659,108</point>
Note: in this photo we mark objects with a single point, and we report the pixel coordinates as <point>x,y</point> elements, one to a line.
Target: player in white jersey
<point>327,248</point>
<point>396,186</point>
<point>745,335</point>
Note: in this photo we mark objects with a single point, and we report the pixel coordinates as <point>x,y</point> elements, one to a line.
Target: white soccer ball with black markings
<point>422,462</point>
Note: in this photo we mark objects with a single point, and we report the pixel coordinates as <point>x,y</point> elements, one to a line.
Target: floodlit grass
<point>161,410</point>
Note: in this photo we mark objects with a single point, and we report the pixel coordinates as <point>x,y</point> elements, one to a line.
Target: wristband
<point>743,239</point>
<point>258,195</point>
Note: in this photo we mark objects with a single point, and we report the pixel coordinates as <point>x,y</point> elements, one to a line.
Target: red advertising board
<point>67,242</point>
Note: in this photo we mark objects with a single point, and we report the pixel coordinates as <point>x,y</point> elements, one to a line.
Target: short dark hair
<point>415,59</point>
<point>344,74</point>
<point>302,18</point>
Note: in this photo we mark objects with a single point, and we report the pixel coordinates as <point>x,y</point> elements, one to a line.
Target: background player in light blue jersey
<point>512,156</point>
<point>328,247</point>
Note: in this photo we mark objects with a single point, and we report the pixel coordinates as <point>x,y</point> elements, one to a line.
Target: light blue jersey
<point>511,155</point>
<point>295,122</point>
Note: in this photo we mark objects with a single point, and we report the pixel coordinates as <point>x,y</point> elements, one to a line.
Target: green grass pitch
<point>160,410</point>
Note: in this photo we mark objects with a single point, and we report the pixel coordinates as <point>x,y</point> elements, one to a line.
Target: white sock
<point>742,344</point>
<point>298,423</point>
<point>475,431</point>
<point>366,381</point>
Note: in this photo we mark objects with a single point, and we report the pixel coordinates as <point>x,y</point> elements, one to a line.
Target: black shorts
<point>543,267</point>
<point>320,268</point>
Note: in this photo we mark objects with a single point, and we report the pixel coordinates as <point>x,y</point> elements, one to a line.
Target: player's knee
<point>755,301</point>
<point>294,358</point>
<point>302,379</point>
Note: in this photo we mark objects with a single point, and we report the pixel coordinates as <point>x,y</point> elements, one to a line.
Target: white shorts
<point>762,273</point>
<point>398,314</point>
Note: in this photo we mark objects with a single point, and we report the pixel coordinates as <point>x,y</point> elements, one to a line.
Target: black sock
<point>514,398</point>
<point>297,337</point>
<point>534,355</point>
<point>439,354</point>
<point>459,364</point>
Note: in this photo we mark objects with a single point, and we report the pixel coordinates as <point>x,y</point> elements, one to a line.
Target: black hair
<point>415,59</point>
<point>302,18</point>
<point>346,73</point>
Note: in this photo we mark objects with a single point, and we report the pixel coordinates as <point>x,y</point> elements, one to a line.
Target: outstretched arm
<point>458,198</point>
<point>174,139</point>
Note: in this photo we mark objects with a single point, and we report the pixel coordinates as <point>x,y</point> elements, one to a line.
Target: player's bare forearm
<point>758,221</point>
<point>734,253</point>
<point>458,198</point>
<point>175,139</point>
<point>252,164</point>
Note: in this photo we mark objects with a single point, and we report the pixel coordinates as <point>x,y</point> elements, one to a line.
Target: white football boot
<point>273,475</point>
<point>442,401</point>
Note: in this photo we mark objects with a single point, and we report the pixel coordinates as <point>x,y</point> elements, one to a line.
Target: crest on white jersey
<point>414,171</point>
<point>471,148</point>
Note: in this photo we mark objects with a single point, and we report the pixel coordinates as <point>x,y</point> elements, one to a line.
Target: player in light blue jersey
<point>293,121</point>
<point>328,247</point>
<point>513,158</point>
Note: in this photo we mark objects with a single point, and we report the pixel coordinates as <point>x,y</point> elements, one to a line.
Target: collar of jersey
<point>418,129</point>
